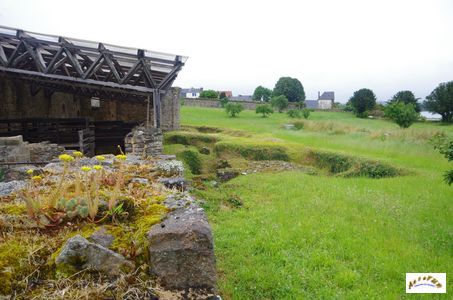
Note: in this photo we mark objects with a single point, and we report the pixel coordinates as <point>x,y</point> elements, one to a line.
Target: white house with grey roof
<point>190,93</point>
<point>325,101</point>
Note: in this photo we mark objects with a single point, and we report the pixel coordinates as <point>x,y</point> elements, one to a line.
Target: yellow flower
<point>121,157</point>
<point>29,171</point>
<point>36,178</point>
<point>100,157</point>
<point>85,169</point>
<point>77,154</point>
<point>66,157</point>
<point>97,167</point>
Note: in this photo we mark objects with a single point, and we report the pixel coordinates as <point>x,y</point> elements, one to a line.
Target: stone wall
<point>16,101</point>
<point>14,149</point>
<point>251,105</point>
<point>144,141</point>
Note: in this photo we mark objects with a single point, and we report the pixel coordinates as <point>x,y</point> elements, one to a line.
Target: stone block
<point>11,140</point>
<point>182,252</point>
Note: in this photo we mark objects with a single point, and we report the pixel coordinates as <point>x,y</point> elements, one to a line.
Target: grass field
<point>300,236</point>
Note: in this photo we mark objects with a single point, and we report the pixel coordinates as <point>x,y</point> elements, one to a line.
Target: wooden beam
<point>93,67</point>
<point>14,54</point>
<point>112,67</point>
<point>148,75</point>
<point>112,86</point>
<point>131,72</point>
<point>73,61</point>
<point>3,59</point>
<point>50,66</point>
<point>169,77</point>
<point>40,64</point>
<point>157,109</point>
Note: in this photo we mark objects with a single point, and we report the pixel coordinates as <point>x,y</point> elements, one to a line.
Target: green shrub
<point>193,161</point>
<point>306,113</point>
<point>335,163</point>
<point>209,94</point>
<point>264,109</point>
<point>402,114</point>
<point>189,138</point>
<point>207,129</point>
<point>223,101</point>
<point>299,124</point>
<point>373,169</point>
<point>233,109</point>
<point>294,113</point>
<point>279,102</point>
<point>347,166</point>
<point>252,151</point>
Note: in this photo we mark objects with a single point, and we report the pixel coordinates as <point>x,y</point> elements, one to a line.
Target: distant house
<point>325,101</point>
<point>190,93</point>
<point>311,104</point>
<point>242,98</point>
<point>228,94</point>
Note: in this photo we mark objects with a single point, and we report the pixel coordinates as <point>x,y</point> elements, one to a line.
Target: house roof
<point>242,98</point>
<point>327,96</point>
<point>191,90</point>
<point>311,104</point>
<point>229,94</point>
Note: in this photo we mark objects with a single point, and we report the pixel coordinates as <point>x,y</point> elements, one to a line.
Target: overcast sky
<point>385,45</point>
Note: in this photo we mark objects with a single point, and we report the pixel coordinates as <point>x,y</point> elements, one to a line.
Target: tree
<point>233,109</point>
<point>362,101</point>
<point>441,101</point>
<point>406,97</point>
<point>402,114</point>
<point>222,95</point>
<point>445,147</point>
<point>264,109</point>
<point>279,102</point>
<point>209,94</point>
<point>262,93</point>
<point>291,88</point>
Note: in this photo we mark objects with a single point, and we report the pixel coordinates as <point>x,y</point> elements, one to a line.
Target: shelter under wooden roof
<point>94,69</point>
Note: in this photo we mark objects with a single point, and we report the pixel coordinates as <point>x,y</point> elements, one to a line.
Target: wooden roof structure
<point>76,66</point>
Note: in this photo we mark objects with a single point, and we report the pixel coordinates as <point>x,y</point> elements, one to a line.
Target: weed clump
<point>347,166</point>
<point>193,161</point>
<point>299,125</point>
<point>335,163</point>
<point>252,151</point>
<point>189,138</point>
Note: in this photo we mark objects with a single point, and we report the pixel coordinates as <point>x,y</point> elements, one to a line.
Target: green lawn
<point>299,236</point>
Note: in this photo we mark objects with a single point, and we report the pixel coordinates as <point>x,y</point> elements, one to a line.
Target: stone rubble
<point>79,253</point>
<point>144,141</point>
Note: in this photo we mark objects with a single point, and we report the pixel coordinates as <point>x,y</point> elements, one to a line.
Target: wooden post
<point>147,112</point>
<point>157,109</point>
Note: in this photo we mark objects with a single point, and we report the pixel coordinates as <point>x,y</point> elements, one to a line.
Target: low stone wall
<point>251,105</point>
<point>14,149</point>
<point>143,141</point>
